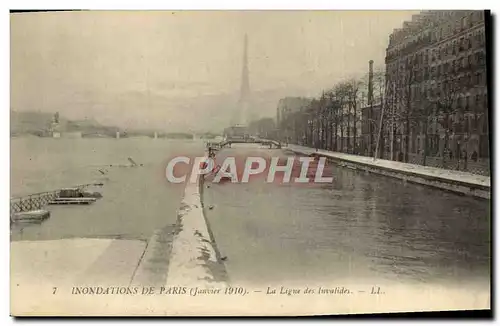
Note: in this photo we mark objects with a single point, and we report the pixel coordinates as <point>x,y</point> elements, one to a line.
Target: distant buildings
<point>286,108</point>
<point>436,80</point>
<point>430,108</point>
<point>263,128</point>
<point>290,105</point>
<point>236,132</point>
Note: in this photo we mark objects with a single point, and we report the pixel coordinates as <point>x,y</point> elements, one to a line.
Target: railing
<point>38,200</point>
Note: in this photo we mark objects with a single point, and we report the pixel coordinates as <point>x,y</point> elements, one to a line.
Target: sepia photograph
<point>250,162</point>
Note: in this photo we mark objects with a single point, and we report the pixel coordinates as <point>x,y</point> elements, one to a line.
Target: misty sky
<point>181,70</point>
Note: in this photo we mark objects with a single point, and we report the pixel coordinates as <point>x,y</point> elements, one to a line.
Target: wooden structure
<point>72,201</point>
<point>31,216</point>
<point>38,200</point>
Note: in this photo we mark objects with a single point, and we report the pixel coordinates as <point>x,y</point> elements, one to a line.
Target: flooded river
<point>136,201</point>
<point>363,227</point>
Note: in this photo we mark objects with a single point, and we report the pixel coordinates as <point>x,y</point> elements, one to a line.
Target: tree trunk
<point>407,127</point>
<point>371,129</point>
<point>336,147</point>
<point>424,161</point>
<point>381,140</point>
<point>330,126</point>
<point>317,142</point>
<point>348,128</point>
<point>325,132</point>
<point>445,145</point>
<point>355,129</point>
<point>341,121</point>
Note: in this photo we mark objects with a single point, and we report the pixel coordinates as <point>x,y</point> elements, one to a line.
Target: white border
<point>187,4</point>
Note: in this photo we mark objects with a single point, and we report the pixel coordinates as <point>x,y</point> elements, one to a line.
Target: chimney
<point>370,83</point>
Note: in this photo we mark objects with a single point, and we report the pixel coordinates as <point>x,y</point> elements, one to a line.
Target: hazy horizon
<point>179,71</point>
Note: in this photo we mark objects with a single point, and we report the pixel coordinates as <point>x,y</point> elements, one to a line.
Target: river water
<point>363,227</point>
<point>136,201</point>
<point>358,227</point>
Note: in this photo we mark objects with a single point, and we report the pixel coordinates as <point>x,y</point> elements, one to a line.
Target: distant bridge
<point>229,142</point>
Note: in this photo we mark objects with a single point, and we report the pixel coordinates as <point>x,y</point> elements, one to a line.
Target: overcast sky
<point>182,70</point>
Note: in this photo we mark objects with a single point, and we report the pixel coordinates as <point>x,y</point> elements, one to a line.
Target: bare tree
<point>446,105</point>
<point>352,88</point>
<point>333,118</point>
<point>341,91</point>
<point>376,99</point>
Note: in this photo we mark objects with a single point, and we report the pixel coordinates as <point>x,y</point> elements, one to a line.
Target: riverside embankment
<point>191,257</point>
<point>455,181</point>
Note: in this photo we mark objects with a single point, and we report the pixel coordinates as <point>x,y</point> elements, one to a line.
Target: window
<point>460,103</point>
<point>479,15</point>
<point>463,24</point>
<point>481,58</point>
<point>471,19</point>
<point>484,146</point>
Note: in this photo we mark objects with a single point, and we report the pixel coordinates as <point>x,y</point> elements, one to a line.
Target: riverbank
<point>194,260</point>
<point>186,255</point>
<point>450,180</point>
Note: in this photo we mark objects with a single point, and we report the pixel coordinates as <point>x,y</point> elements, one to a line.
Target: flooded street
<point>136,201</point>
<point>363,227</point>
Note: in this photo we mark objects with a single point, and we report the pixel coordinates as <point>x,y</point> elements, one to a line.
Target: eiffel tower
<point>241,114</point>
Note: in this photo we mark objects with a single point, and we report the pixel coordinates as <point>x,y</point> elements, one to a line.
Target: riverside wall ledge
<point>189,257</point>
<point>455,181</point>
<point>194,261</point>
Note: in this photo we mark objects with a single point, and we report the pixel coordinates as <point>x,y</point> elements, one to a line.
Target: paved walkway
<point>451,175</point>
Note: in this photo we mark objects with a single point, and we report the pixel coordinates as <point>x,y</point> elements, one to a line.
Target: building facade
<point>437,90</point>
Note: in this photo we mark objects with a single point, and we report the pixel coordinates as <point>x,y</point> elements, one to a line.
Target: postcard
<point>249,163</point>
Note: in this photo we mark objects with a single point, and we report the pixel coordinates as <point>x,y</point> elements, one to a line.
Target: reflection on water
<point>361,225</point>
